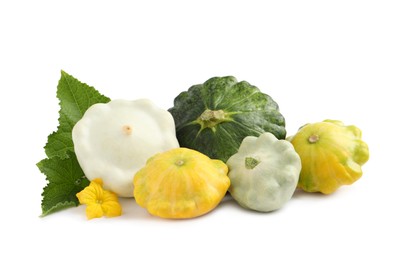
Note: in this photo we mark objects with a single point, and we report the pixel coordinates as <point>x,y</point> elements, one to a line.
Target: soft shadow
<point>132,211</point>
<point>229,202</point>
<point>301,194</point>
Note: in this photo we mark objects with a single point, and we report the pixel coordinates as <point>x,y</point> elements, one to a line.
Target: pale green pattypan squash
<point>264,172</point>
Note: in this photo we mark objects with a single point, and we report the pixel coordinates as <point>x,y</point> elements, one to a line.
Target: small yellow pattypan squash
<point>181,183</point>
<point>331,153</point>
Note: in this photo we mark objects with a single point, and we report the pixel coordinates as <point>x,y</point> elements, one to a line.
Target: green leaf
<point>75,98</point>
<point>62,170</point>
<point>59,144</point>
<point>65,179</point>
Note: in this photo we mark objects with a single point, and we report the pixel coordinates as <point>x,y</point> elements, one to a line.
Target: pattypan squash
<point>112,141</point>
<point>181,183</point>
<point>214,117</point>
<point>264,172</point>
<point>332,155</point>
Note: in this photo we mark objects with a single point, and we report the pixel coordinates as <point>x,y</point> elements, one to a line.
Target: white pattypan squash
<point>113,141</point>
<point>264,172</point>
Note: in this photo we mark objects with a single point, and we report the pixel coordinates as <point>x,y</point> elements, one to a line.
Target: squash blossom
<point>99,202</point>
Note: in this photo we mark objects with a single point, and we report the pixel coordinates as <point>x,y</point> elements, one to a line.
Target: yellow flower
<point>99,202</point>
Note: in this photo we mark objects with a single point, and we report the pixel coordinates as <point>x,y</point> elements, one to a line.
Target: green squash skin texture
<point>248,112</point>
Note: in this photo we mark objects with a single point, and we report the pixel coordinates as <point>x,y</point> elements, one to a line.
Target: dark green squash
<point>214,117</point>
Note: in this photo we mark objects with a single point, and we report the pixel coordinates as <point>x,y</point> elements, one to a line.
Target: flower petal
<point>90,194</point>
<point>112,209</point>
<point>86,196</point>
<point>98,181</point>
<point>96,185</point>
<point>109,196</point>
<point>94,211</point>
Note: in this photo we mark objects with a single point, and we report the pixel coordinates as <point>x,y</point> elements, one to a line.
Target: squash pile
<point>238,124</point>
<point>222,136</point>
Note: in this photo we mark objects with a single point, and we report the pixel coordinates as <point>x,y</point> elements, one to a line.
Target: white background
<point>345,60</point>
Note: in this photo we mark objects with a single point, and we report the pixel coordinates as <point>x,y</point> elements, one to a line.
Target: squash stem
<point>251,163</point>
<point>313,138</point>
<point>210,118</point>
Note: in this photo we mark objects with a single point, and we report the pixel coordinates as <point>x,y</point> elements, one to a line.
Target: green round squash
<point>214,117</point>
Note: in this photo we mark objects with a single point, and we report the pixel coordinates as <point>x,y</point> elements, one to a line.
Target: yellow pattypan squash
<point>181,183</point>
<point>332,155</point>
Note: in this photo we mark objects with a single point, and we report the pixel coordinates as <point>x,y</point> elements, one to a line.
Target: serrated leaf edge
<point>59,206</point>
